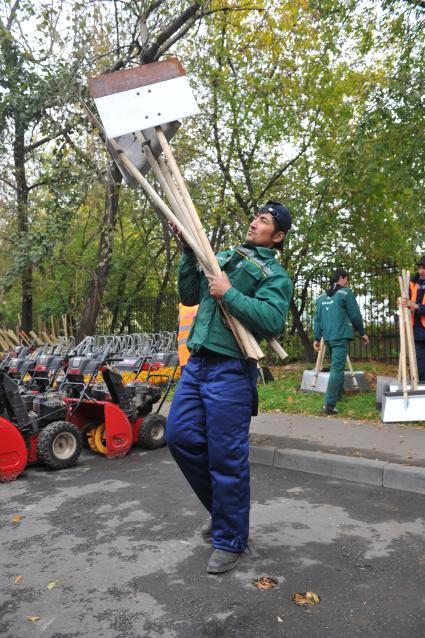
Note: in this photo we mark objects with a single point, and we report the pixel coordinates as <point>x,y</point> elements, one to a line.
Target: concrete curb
<point>360,470</point>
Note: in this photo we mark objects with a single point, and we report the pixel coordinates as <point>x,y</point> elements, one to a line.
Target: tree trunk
<point>305,340</point>
<point>166,279</point>
<point>26,305</point>
<point>22,191</point>
<point>95,294</point>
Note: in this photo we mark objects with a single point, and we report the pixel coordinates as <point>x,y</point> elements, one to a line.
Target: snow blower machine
<point>30,436</point>
<point>46,424</point>
<point>112,415</point>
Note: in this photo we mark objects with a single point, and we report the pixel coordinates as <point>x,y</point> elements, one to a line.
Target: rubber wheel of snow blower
<point>152,431</point>
<point>59,445</point>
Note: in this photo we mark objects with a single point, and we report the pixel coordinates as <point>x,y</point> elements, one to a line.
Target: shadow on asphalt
<point>120,541</point>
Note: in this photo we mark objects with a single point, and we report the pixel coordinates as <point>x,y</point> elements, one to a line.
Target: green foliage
<point>314,103</point>
<point>318,105</point>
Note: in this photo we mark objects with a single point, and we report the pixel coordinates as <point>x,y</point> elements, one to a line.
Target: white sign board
<point>146,106</point>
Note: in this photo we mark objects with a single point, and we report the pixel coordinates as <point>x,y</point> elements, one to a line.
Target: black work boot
<point>206,530</point>
<point>329,409</point>
<point>221,561</point>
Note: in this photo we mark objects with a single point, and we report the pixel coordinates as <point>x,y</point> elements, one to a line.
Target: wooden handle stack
<point>319,366</point>
<point>407,360</point>
<point>182,214</point>
<point>319,362</point>
<point>353,374</point>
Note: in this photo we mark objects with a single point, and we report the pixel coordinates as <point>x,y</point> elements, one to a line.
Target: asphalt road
<point>119,540</point>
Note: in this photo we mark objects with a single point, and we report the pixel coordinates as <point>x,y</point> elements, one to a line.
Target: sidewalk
<point>387,455</point>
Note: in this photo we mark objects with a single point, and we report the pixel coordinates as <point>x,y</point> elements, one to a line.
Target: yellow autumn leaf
<point>306,598</point>
<point>18,579</point>
<point>265,582</point>
<point>33,618</point>
<point>312,596</point>
<point>52,584</point>
<point>17,518</point>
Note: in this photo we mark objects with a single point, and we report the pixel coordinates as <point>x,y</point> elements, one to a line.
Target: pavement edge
<point>360,470</point>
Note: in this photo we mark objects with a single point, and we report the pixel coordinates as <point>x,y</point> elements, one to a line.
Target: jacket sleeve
<point>265,313</point>
<point>317,328</point>
<point>189,278</point>
<point>354,314</point>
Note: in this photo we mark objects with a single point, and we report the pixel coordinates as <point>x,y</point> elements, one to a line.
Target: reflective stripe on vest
<point>413,297</point>
<point>251,256</point>
<point>186,317</point>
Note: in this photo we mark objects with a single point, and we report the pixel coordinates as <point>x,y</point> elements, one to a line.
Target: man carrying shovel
<point>208,424</point>
<point>337,317</point>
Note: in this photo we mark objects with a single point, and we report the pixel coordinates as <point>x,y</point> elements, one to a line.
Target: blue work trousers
<point>420,358</point>
<point>338,350</point>
<point>207,434</point>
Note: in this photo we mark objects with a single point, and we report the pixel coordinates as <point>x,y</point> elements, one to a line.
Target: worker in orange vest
<point>416,304</point>
<point>186,316</point>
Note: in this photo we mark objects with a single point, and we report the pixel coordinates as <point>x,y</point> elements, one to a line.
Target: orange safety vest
<point>186,316</point>
<point>413,296</point>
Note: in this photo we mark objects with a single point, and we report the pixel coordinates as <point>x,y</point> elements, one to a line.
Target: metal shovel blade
<point>133,149</point>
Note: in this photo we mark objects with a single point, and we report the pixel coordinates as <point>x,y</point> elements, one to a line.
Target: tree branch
<point>168,32</point>
<point>48,138</point>
<point>167,45</point>
<point>151,8</point>
<point>280,172</point>
<point>8,183</point>
<point>420,4</point>
<point>12,15</point>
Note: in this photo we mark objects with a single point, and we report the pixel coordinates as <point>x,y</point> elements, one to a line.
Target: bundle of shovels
<point>140,109</point>
<point>407,367</point>
<point>405,400</point>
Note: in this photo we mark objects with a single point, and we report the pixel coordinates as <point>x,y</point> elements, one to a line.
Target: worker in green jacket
<point>337,317</point>
<point>208,425</point>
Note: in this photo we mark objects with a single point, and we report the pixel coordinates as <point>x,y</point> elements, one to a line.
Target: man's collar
<point>262,251</point>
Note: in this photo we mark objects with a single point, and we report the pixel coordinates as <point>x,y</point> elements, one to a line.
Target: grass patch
<point>283,394</point>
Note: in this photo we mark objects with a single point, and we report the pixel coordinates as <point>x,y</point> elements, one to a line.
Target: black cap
<point>281,214</point>
<point>421,261</point>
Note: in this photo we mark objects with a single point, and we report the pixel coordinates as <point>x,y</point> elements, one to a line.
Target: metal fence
<point>144,314</point>
<point>376,294</point>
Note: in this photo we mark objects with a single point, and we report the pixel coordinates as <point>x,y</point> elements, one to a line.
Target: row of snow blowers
<point>55,401</point>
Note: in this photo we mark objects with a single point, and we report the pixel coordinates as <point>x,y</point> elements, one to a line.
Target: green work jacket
<point>338,316</point>
<point>259,297</point>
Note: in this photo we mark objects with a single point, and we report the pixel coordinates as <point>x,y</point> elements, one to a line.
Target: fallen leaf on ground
<point>33,618</point>
<point>306,598</point>
<point>265,582</point>
<point>52,584</point>
<point>18,579</point>
<point>17,518</point>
